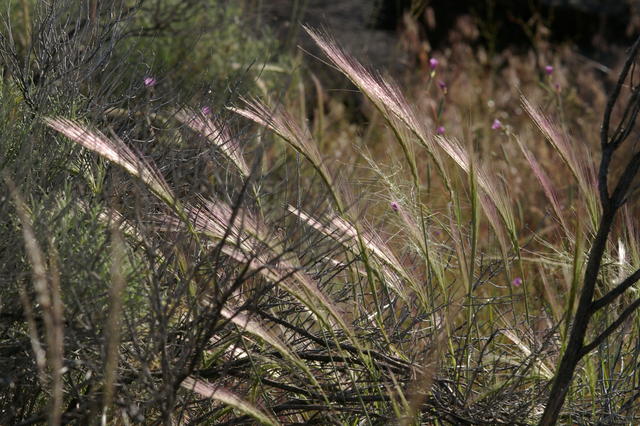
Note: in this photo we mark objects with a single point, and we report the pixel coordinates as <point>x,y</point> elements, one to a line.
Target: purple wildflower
<point>548,69</point>
<point>149,81</point>
<point>394,206</point>
<point>496,125</point>
<point>517,282</point>
<point>440,130</point>
<point>433,63</point>
<point>205,110</point>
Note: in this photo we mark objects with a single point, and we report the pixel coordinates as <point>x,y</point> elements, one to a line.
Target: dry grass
<point>432,285</point>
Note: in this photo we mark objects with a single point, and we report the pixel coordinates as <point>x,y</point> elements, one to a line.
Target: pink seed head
<point>496,125</point>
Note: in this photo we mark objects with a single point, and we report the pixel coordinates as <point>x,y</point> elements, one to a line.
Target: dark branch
<point>617,291</point>
<point>613,327</point>
<point>604,132</point>
<point>608,147</point>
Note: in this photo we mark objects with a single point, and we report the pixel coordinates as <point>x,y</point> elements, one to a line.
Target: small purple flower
<point>557,87</point>
<point>440,130</point>
<point>394,206</point>
<point>517,282</point>
<point>433,63</point>
<point>149,81</point>
<point>442,84</point>
<point>205,110</point>
<point>496,125</point>
<point>548,69</point>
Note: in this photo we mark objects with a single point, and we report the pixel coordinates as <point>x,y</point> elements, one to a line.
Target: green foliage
<point>207,48</point>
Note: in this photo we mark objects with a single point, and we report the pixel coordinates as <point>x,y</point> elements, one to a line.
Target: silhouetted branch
<point>609,330</point>
<point>616,291</point>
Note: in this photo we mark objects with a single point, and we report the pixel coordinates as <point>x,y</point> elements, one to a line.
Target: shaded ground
<point>354,23</point>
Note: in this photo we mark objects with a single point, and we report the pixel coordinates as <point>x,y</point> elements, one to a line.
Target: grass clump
<point>179,256</point>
